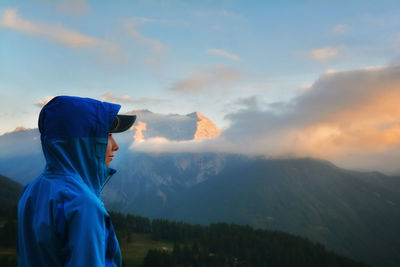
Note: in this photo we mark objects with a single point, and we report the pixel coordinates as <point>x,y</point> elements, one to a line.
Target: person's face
<point>111,148</point>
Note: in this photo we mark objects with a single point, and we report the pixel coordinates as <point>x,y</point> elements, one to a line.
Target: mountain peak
<point>195,115</point>
<point>205,128</point>
<point>20,128</point>
<point>173,126</point>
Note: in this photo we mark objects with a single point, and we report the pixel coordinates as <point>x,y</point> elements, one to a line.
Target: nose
<point>115,146</point>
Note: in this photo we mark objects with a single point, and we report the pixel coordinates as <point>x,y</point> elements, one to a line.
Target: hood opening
<point>74,134</point>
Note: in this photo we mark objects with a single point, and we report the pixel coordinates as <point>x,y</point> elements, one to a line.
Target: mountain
<point>353,213</point>
<point>308,197</point>
<point>356,214</point>
<point>145,182</point>
<point>173,126</point>
<point>21,156</point>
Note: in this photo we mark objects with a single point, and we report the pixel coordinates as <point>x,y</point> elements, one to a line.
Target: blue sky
<point>214,57</point>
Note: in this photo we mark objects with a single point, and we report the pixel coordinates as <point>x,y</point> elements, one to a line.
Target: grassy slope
<point>133,253</point>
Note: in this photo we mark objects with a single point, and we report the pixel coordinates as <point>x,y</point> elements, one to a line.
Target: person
<point>61,218</point>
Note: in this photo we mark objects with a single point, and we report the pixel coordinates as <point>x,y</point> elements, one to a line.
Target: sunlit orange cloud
<point>368,127</point>
<point>351,116</point>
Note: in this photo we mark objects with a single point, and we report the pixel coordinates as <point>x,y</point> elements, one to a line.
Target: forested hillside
<point>223,244</point>
<point>219,244</point>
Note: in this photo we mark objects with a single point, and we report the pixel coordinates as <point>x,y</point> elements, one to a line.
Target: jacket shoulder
<point>80,196</point>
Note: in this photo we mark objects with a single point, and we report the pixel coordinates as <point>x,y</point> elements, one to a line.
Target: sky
<point>280,78</point>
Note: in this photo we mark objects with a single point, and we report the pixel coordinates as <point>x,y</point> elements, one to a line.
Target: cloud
<point>252,102</point>
<point>157,48</point>
<point>351,118</point>
<point>162,145</point>
<point>148,101</point>
<point>69,38</point>
<point>223,53</point>
<point>330,71</point>
<point>341,29</point>
<point>304,86</point>
<point>207,79</point>
<point>139,128</point>
<point>324,54</point>
<point>44,101</point>
<point>110,97</point>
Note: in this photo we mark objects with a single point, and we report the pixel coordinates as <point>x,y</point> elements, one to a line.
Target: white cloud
<point>157,48</point>
<point>110,97</point>
<point>161,145</point>
<point>341,29</point>
<point>69,38</point>
<point>324,54</point>
<point>330,71</point>
<point>149,101</point>
<point>304,86</point>
<point>44,101</point>
<point>207,79</point>
<point>223,53</point>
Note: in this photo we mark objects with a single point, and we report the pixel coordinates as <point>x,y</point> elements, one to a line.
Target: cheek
<point>109,149</point>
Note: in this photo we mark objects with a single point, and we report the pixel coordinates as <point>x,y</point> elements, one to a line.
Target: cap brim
<point>122,123</point>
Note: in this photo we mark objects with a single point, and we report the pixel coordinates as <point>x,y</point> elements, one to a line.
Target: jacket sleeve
<point>85,232</point>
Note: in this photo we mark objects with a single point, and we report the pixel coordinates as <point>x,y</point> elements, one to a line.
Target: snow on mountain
<point>205,127</point>
<point>173,126</point>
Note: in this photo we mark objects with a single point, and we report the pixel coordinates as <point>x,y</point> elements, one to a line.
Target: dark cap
<point>122,123</point>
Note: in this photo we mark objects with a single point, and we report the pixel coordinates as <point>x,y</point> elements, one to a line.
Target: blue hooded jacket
<point>61,218</point>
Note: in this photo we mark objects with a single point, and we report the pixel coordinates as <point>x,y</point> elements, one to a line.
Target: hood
<point>74,135</point>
